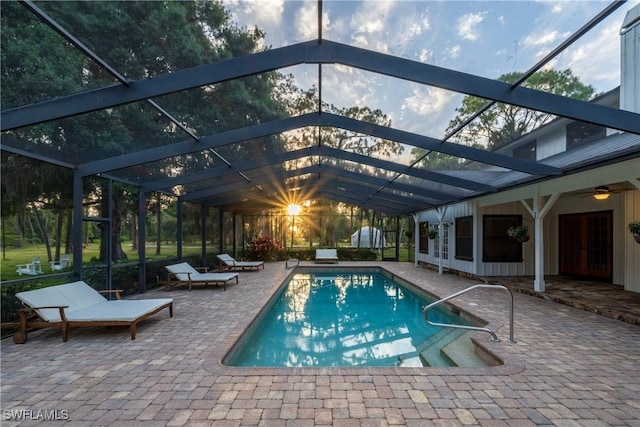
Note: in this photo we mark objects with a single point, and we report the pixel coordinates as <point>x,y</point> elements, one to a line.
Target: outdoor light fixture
<point>602,193</point>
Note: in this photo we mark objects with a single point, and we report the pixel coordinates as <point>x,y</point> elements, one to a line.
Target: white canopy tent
<point>370,237</point>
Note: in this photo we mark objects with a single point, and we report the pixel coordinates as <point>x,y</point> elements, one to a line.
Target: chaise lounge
<point>78,304</point>
<point>185,274</point>
<point>229,263</point>
<point>327,256</point>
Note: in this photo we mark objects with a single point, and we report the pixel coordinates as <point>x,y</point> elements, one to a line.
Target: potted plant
<point>519,232</point>
<point>634,228</point>
<point>432,233</point>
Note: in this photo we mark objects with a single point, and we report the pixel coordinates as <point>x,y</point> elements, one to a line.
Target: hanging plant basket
<point>432,233</point>
<point>519,232</point>
<point>634,228</point>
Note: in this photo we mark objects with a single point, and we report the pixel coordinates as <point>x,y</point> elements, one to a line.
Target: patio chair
<point>65,261</point>
<point>78,304</point>
<point>185,274</point>
<point>229,263</point>
<point>32,268</point>
<point>326,256</point>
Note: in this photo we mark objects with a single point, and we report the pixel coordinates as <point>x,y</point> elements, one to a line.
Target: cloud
<point>453,51</point>
<point>264,12</point>
<point>545,39</point>
<point>468,25</point>
<point>597,60</point>
<point>307,21</point>
<point>425,54</point>
<point>369,22</point>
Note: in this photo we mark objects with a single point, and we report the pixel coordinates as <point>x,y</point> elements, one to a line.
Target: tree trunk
<point>58,236</point>
<point>117,253</point>
<point>43,231</point>
<point>134,232</point>
<point>68,244</point>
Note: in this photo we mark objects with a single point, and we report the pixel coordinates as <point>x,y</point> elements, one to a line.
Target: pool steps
<point>447,348</point>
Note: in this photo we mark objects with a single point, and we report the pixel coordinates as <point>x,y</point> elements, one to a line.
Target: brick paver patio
<point>568,368</point>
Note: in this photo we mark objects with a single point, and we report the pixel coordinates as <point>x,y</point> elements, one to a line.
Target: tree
<point>139,39</point>
<point>502,123</point>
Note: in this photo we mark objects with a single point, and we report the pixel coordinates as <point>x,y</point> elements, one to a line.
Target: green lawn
<point>15,256</point>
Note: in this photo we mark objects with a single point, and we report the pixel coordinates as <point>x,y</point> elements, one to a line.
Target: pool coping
<point>509,364</point>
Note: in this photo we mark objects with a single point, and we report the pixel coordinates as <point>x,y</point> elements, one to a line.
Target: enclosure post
<point>416,237</point>
<point>203,234</point>
<point>220,231</point>
<point>235,230</point>
<point>77,226</point>
<point>398,239</point>
<point>179,229</point>
<point>142,244</point>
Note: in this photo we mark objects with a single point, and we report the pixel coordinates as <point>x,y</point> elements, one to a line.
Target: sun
<point>294,209</point>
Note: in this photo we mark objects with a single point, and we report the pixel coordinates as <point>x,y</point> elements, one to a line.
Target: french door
<point>586,242</point>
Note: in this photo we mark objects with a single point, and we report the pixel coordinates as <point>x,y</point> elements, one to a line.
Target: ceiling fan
<point>602,192</point>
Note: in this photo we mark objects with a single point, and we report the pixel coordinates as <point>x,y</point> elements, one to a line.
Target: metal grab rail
<point>294,261</point>
<point>494,337</point>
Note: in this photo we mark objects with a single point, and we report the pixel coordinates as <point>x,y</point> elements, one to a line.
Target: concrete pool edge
<point>509,364</point>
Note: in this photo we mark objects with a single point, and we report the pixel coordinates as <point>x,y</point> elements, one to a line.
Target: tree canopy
<point>502,123</point>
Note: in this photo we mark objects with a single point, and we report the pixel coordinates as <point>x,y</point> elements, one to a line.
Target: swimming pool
<point>344,318</point>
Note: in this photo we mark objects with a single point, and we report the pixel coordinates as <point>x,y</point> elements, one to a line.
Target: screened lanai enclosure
<point>149,131</point>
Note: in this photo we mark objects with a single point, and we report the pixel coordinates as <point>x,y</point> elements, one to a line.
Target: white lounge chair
<point>185,274</point>
<point>229,263</point>
<point>326,256</point>
<point>32,268</point>
<point>65,261</point>
<point>78,304</point>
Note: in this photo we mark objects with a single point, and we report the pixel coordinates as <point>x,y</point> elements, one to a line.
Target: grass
<point>12,257</point>
<point>15,256</point>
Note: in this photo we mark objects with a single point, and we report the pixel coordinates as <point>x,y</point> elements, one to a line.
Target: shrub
<point>265,249</point>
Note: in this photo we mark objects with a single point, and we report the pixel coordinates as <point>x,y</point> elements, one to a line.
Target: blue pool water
<point>340,319</point>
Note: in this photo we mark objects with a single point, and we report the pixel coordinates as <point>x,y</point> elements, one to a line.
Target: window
<point>464,238</point>
<point>497,246</point>
<point>424,239</point>
<point>579,133</point>
<point>526,151</point>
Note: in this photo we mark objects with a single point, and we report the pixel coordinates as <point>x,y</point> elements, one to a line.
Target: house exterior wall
<point>625,207</point>
<point>631,256</point>
<point>452,212</point>
<point>553,143</point>
<point>630,64</point>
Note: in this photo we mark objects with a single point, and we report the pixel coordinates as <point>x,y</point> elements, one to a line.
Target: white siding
<point>453,212</point>
<point>625,207</point>
<point>632,249</point>
<point>552,143</point>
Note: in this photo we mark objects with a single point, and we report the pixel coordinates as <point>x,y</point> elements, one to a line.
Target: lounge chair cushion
<point>326,255</point>
<point>183,270</point>
<point>118,310</point>
<point>86,304</point>
<point>230,262</point>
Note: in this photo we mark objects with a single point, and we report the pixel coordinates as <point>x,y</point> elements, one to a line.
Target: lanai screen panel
<point>476,38</point>
<point>97,135</point>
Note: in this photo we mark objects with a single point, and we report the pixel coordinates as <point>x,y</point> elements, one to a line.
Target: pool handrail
<point>494,337</point>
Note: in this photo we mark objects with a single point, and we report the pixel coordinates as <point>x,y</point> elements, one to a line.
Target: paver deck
<point>569,367</point>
